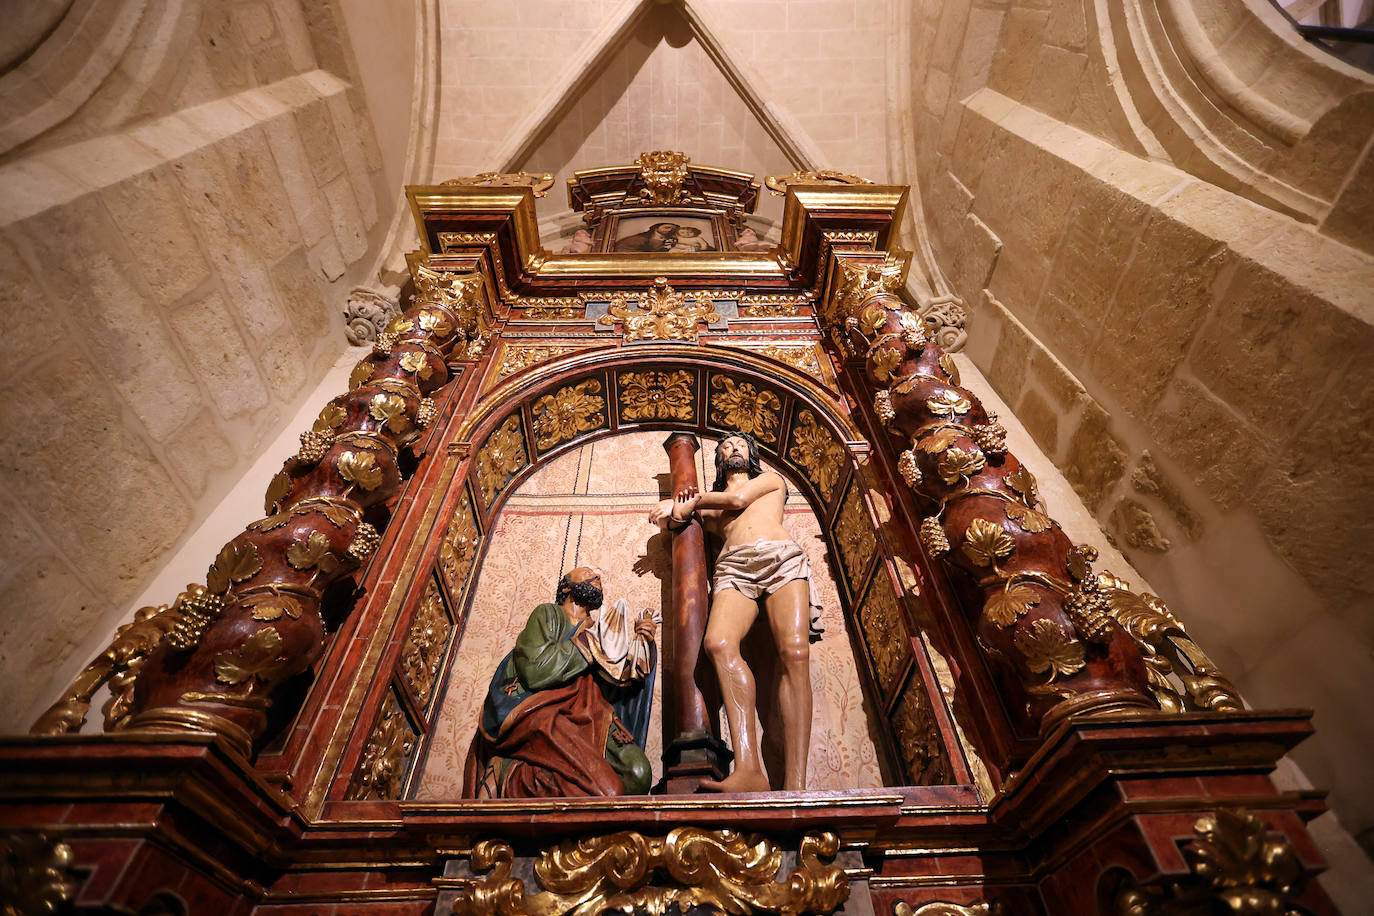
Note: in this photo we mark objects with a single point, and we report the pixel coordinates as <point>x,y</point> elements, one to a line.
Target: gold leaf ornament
<point>360,469</point>
<point>958,464</point>
<point>1048,646</point>
<point>436,323</point>
<point>985,542</point>
<point>1005,606</point>
<point>885,359</point>
<point>361,374</point>
<point>948,404</point>
<point>235,563</point>
<point>391,409</point>
<point>949,368</point>
<point>418,363</point>
<point>312,553</point>
<point>258,657</point>
<point>1028,519</point>
<point>277,490</point>
<point>331,418</point>
<point>272,606</point>
<point>1023,483</point>
<point>938,441</point>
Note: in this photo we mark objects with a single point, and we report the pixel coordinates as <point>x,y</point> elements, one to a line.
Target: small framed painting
<point>676,231</point>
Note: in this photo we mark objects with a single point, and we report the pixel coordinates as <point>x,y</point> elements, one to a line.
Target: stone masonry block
<point>1270,349</point>
<point>148,211</point>
<point>321,143</point>
<point>1041,421</point>
<point>347,221</point>
<point>975,257</point>
<point>1147,478</point>
<point>220,357</point>
<point>306,310</point>
<point>1166,290</point>
<point>20,297</point>
<point>1055,80</point>
<point>1022,34</point>
<point>1221,453</point>
<point>298,181</point>
<point>199,453</point>
<point>1134,526</point>
<point>348,130</point>
<point>267,225</point>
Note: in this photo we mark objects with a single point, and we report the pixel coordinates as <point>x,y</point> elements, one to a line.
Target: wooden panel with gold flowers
<point>569,412</point>
<point>458,549</point>
<point>431,631</point>
<point>500,458</point>
<point>886,638</point>
<point>853,535</point>
<point>386,761</point>
<point>738,405</point>
<point>822,458</point>
<point>657,396</point>
<point>925,758</point>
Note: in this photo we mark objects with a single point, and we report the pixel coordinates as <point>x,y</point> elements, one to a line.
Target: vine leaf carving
<point>1023,482</point>
<point>361,374</point>
<point>272,606</point>
<point>1029,519</point>
<point>360,468</point>
<point>331,418</point>
<point>985,541</point>
<point>390,409</point>
<point>957,464</point>
<point>1048,646</point>
<point>1005,606</point>
<point>311,553</point>
<point>950,369</point>
<point>338,516</point>
<point>258,657</point>
<point>948,404</point>
<point>271,522</point>
<point>277,490</point>
<point>418,363</point>
<point>235,563</point>
<point>938,441</point>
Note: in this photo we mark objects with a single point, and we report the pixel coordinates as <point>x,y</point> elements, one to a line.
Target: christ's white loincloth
<point>763,567</point>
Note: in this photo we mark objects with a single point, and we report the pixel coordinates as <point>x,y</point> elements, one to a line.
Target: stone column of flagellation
<point>1034,603</point>
<point>255,623</point>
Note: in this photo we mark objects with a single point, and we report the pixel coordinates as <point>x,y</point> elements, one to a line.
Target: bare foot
<point>737,782</point>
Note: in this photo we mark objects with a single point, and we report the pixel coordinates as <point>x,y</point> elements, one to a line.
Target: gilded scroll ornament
<point>768,307</point>
<point>663,173</point>
<point>568,413</point>
<point>499,458</point>
<point>863,281</point>
<point>803,359</point>
<point>660,314</point>
<point>518,358</point>
<point>714,870</point>
<point>1238,867</point>
<point>118,666</point>
<point>743,407</point>
<point>382,770</point>
<point>425,644</point>
<point>940,908</point>
<point>918,737</point>
<point>35,875</point>
<point>778,184</point>
<point>815,450</point>
<point>1169,652</point>
<point>538,183</point>
<point>657,395</point>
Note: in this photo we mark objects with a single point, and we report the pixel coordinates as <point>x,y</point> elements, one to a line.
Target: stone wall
<point>187,190</point>
<point>1194,353</point>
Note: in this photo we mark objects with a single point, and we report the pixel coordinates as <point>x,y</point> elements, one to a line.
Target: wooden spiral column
<point>214,659</point>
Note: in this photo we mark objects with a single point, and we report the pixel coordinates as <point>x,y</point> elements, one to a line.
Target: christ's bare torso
<point>761,520</point>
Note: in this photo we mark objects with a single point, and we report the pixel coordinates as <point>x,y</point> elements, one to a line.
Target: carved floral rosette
<point>1051,641</point>
<point>256,623</point>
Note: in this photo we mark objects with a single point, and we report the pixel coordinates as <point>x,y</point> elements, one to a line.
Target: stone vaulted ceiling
<point>764,87</point>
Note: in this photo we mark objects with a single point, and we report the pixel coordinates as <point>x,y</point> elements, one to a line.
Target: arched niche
<point>523,422</point>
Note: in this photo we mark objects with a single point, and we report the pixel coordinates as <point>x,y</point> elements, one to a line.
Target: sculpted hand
<point>644,626</point>
<point>661,511</point>
<point>686,503</point>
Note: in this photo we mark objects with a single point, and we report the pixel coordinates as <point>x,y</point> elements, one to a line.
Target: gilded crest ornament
<point>778,184</point>
<point>539,183</point>
<point>663,173</point>
<point>382,770</point>
<point>518,358</point>
<point>660,314</point>
<point>863,281</point>
<point>692,869</point>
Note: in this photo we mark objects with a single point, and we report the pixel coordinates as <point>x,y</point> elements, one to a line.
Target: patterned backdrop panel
<point>590,507</point>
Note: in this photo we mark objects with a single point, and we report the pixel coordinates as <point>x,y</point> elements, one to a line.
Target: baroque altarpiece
<point>1020,730</point>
